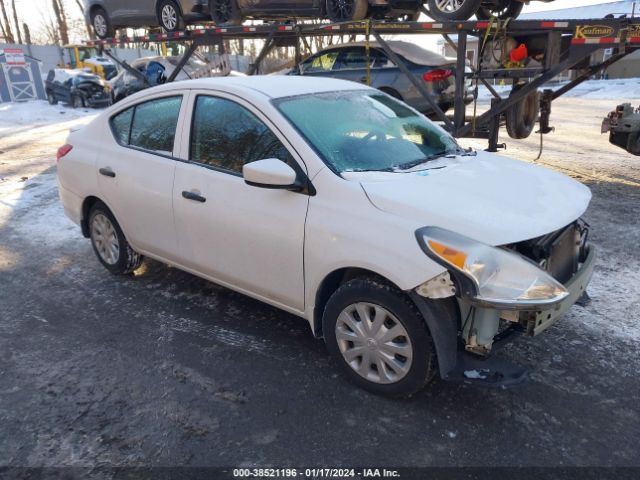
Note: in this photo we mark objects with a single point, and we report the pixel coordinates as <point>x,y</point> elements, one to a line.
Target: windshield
<point>366,131</point>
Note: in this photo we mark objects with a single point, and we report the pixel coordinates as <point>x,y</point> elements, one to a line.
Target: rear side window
<point>150,125</point>
<point>226,135</point>
<point>121,126</point>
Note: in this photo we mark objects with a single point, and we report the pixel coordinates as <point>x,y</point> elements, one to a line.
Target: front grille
<point>558,252</point>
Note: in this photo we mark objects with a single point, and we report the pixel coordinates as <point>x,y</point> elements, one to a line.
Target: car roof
<point>273,86</point>
<point>410,51</point>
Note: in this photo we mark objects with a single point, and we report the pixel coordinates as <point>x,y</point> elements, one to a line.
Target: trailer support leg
<point>419,85</point>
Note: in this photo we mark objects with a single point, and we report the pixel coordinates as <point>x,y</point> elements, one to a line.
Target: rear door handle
<point>107,172</point>
<point>193,196</point>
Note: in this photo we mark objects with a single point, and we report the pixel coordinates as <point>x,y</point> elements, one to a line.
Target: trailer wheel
<point>521,118</point>
<point>503,10</point>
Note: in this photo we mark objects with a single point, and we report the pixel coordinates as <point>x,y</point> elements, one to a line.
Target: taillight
<point>62,151</point>
<point>437,75</point>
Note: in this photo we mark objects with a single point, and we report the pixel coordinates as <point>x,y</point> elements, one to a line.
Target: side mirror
<point>270,173</point>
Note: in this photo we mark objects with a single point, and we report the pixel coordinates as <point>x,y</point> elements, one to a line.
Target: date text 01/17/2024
<point>314,473</point>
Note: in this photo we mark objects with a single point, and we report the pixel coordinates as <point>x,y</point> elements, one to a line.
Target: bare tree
<point>58,10</point>
<point>27,34</point>
<point>8,34</point>
<point>15,20</point>
<point>87,24</point>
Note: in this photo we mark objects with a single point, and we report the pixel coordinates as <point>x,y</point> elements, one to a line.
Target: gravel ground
<point>165,369</point>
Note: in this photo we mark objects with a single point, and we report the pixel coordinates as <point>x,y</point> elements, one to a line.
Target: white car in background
<point>155,71</point>
<point>340,204</point>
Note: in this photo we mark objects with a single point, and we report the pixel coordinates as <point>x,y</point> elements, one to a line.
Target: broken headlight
<point>490,275</point>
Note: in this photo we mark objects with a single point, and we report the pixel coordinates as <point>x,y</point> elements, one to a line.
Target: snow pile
<point>38,113</point>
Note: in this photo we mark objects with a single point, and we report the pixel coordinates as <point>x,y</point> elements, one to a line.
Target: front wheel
<point>225,12</point>
<point>347,10</point>
<point>77,102</point>
<point>378,337</point>
<point>51,98</point>
<point>445,10</point>
<point>109,243</point>
<point>169,16</point>
<point>503,9</point>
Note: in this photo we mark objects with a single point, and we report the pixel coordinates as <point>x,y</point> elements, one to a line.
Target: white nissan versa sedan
<point>342,205</point>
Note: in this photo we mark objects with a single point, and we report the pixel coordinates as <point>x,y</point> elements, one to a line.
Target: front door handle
<point>107,172</point>
<point>193,196</point>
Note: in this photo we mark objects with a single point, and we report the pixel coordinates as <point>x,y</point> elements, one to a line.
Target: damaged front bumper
<point>475,362</point>
<point>539,321</point>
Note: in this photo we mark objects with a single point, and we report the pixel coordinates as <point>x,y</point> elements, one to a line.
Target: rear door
<point>136,168</point>
<point>243,236</point>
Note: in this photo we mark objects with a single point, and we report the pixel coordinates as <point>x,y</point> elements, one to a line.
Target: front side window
<point>364,130</point>
<point>226,135</point>
<point>150,125</point>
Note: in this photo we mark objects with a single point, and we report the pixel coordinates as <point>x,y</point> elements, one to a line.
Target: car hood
<point>486,197</point>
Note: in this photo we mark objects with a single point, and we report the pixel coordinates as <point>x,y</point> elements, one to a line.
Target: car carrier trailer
<point>557,46</point>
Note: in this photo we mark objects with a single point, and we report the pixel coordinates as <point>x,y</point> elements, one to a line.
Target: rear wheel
<point>169,17</point>
<point>101,23</point>
<point>378,337</point>
<point>347,10</point>
<point>225,12</point>
<point>503,9</point>
<point>109,243</point>
<point>452,9</point>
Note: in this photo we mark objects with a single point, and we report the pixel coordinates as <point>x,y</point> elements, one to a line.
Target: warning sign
<point>14,56</point>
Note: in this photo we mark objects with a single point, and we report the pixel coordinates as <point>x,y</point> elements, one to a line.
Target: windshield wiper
<point>415,163</point>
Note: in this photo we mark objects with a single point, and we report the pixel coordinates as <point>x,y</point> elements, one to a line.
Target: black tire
<point>225,12</point>
<point>464,12</point>
<point>170,16</point>
<point>77,102</point>
<point>506,9</point>
<point>521,118</point>
<point>101,23</point>
<point>374,291</point>
<point>346,10</point>
<point>51,98</point>
<point>127,259</point>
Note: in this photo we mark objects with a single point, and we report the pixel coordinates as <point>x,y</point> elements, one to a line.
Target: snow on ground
<point>38,113</point>
<point>627,89</point>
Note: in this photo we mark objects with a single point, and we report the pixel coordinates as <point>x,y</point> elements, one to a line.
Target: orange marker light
<point>456,257</point>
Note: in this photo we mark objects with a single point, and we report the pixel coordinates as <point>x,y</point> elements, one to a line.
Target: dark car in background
<point>233,12</point>
<point>483,9</point>
<point>107,15</point>
<point>77,88</point>
<point>349,62</point>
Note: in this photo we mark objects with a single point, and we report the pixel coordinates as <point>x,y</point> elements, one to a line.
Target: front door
<point>246,237</point>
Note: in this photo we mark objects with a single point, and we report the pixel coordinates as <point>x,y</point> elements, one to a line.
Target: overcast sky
<point>32,11</point>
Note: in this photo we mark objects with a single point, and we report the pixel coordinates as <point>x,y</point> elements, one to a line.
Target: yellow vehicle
<point>83,57</point>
